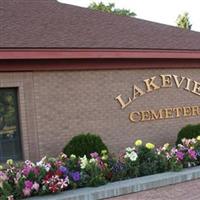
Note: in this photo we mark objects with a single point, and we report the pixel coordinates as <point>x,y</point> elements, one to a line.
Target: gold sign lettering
<point>164,113</point>
<point>156,83</point>
<point>150,85</point>
<point>196,88</point>
<point>121,101</point>
<point>166,80</point>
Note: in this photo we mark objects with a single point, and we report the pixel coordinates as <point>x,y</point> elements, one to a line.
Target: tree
<point>110,8</point>
<point>183,21</point>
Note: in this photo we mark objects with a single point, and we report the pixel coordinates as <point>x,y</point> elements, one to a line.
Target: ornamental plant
<point>54,175</point>
<point>150,162</point>
<point>85,144</point>
<point>190,131</point>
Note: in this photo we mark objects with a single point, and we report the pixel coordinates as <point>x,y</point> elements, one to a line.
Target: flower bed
<point>53,175</point>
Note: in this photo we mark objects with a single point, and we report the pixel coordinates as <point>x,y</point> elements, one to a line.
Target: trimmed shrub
<point>84,144</point>
<point>189,131</point>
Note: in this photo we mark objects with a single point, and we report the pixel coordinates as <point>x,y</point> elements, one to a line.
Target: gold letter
<point>178,83</point>
<point>188,84</point>
<point>150,85</point>
<point>166,80</point>
<point>168,113</point>
<point>145,115</point>
<point>122,103</point>
<point>157,115</point>
<point>196,88</point>
<point>186,111</point>
<point>137,92</point>
<point>195,110</point>
<point>177,111</point>
<point>131,116</point>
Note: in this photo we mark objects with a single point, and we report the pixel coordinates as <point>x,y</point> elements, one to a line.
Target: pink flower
<point>10,197</point>
<point>3,176</point>
<point>35,186</point>
<point>94,155</point>
<point>28,184</point>
<point>26,192</point>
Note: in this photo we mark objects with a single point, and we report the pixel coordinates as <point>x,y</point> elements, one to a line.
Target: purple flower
<point>75,176</point>
<point>192,154</point>
<point>64,170</point>
<point>28,184</point>
<point>180,155</point>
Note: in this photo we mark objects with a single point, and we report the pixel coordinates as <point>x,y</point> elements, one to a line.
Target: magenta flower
<point>180,155</point>
<point>192,153</point>
<point>28,184</point>
<point>26,170</point>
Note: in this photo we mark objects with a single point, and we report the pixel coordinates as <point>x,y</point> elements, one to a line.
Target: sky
<point>162,11</point>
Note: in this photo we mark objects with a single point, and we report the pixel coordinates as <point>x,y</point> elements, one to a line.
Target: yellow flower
<point>1,167</point>
<point>166,145</point>
<point>138,143</point>
<point>104,157</point>
<point>104,151</point>
<point>150,145</point>
<point>198,138</point>
<point>9,162</point>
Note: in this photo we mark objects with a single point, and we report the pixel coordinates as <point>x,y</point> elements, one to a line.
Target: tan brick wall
<point>68,103</point>
<point>54,106</point>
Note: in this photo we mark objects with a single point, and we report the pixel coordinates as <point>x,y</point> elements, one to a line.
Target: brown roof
<point>50,24</point>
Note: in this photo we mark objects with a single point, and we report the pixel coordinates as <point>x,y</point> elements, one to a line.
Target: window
<point>10,141</point>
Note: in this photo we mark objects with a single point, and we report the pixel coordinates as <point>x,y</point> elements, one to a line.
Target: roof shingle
<point>50,24</point>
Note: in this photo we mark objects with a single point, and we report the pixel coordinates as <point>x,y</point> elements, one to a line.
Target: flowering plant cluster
<point>53,175</point>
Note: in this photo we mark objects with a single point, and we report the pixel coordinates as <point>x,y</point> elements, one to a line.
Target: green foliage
<point>84,144</point>
<point>183,21</point>
<point>110,8</point>
<point>132,168</point>
<point>150,162</point>
<point>93,176</point>
<point>189,131</point>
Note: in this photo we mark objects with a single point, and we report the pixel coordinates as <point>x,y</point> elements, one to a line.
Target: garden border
<point>126,186</point>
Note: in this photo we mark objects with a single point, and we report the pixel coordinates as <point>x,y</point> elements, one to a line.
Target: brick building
<point>66,70</point>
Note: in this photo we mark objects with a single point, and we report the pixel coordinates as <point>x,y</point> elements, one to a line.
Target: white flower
<point>129,149</point>
<point>84,162</point>
<point>29,163</point>
<point>92,160</point>
<point>133,156</point>
<point>41,162</point>
<point>47,167</point>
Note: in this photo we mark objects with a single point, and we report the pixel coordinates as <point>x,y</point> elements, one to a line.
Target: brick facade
<point>54,106</point>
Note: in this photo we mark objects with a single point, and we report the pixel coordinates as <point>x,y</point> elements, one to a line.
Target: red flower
<point>48,176</point>
<point>58,173</point>
<point>54,188</point>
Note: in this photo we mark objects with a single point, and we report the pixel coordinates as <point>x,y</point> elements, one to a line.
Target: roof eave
<point>97,54</point>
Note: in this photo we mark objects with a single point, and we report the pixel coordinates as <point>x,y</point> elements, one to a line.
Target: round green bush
<point>189,131</point>
<point>84,144</point>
